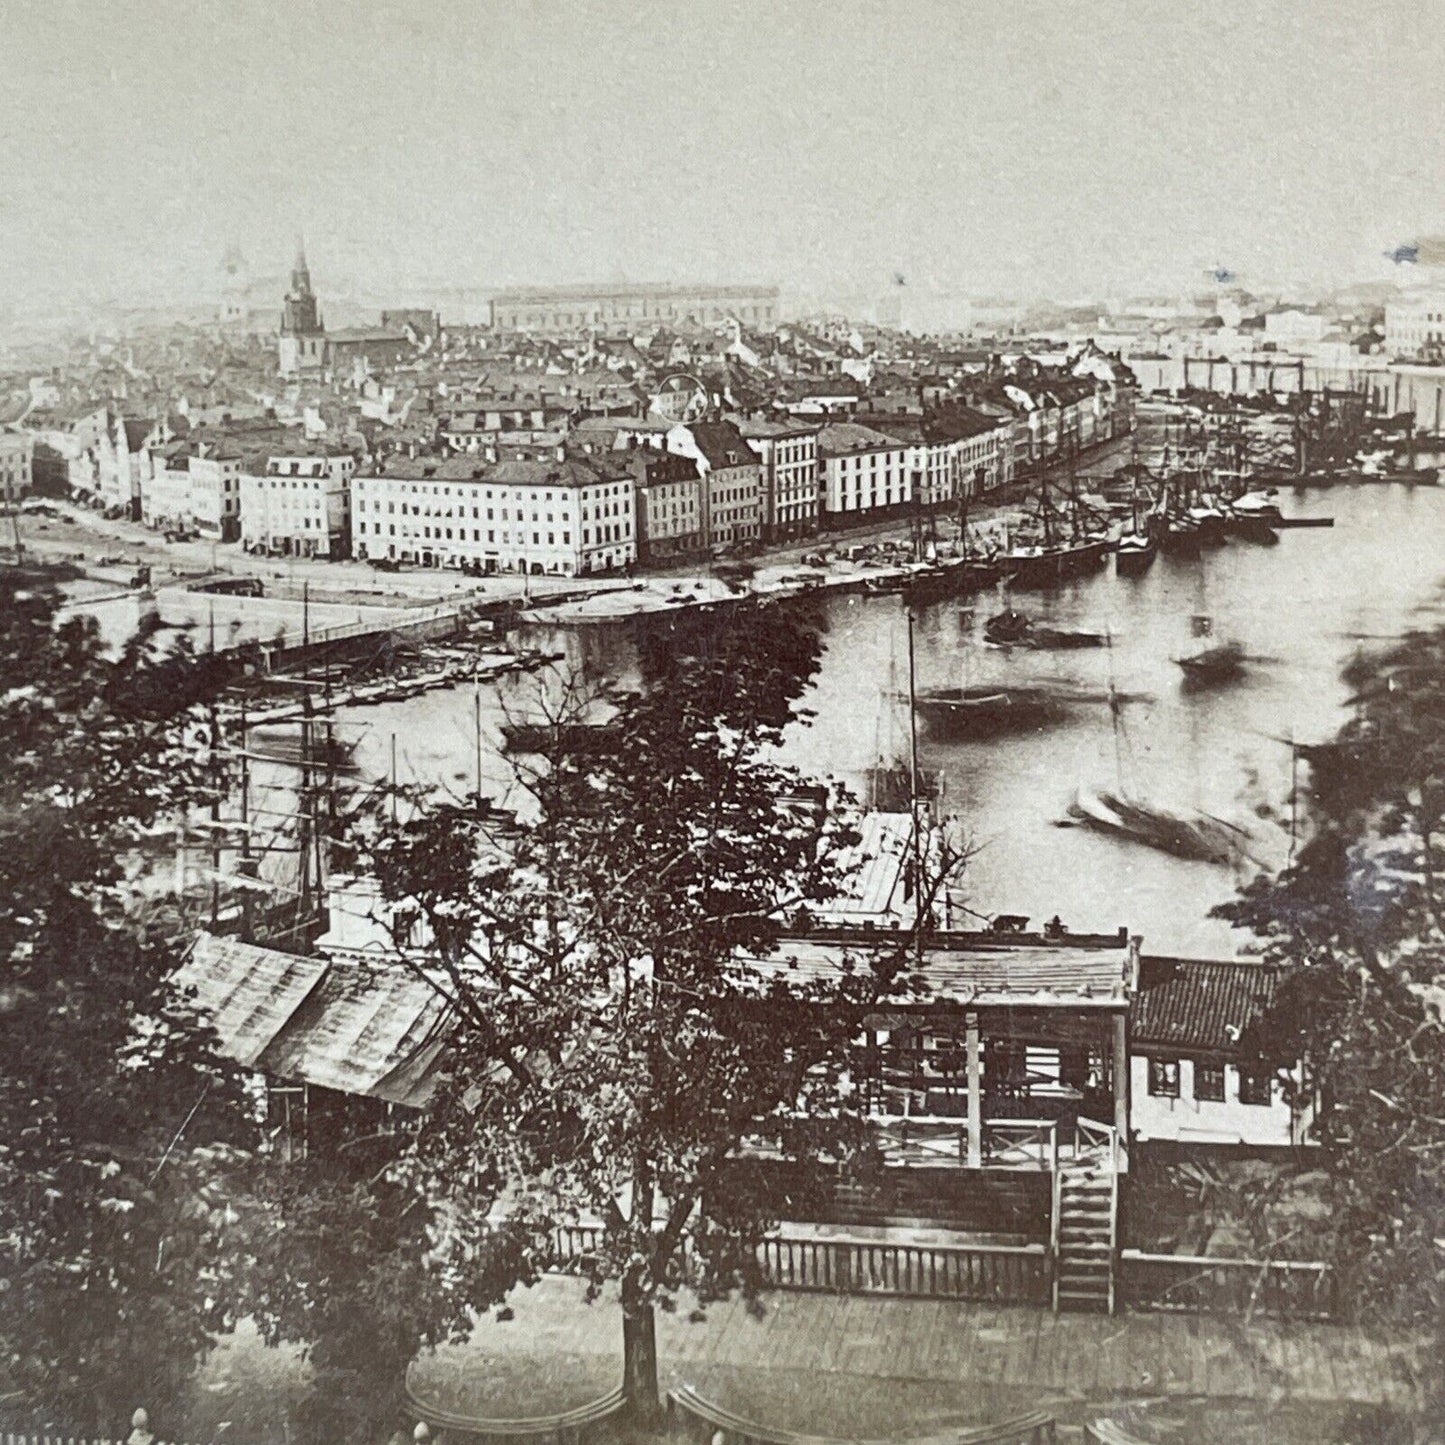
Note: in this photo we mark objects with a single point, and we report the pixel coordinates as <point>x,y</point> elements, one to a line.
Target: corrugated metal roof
<point>248,993</point>
<point>875,887</point>
<point>1199,1004</point>
<point>361,1027</point>
<point>1040,976</point>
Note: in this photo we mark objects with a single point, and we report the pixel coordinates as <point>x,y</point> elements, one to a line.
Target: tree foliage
<point>1356,920</point>
<point>120,1129</point>
<point>611,1055</point>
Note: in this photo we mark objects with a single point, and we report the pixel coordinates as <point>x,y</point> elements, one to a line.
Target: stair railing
<point>1054,1231</point>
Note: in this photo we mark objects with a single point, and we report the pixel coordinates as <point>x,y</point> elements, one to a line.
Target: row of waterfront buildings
<point>513,485</point>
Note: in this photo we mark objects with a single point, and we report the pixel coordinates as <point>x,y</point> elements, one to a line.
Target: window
<point>1255,1086</point>
<point>1209,1083</point>
<point>1164,1078</point>
<point>1074,1067</point>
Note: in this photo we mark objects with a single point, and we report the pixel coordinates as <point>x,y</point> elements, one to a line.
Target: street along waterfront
<point>1300,610</point>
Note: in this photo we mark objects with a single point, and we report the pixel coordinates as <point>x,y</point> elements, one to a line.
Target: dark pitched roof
<point>722,444</point>
<point>1197,1005</point>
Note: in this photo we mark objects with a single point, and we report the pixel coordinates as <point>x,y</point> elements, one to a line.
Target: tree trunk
<point>639,1357</point>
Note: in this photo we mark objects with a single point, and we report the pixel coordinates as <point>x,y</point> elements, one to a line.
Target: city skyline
<point>1035,151</point>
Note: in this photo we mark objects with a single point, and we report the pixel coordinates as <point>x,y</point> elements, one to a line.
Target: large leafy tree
<point>613,1064</point>
<point>1357,921</point>
<point>119,1127</point>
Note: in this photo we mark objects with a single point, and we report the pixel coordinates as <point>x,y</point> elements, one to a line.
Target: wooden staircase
<point>1086,1196</point>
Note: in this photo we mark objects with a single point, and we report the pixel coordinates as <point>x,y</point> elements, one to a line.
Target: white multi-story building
<point>1415,324</point>
<point>789,456</point>
<point>863,470</point>
<point>564,516</point>
<point>299,506</point>
<point>17,464</point>
<point>195,489</point>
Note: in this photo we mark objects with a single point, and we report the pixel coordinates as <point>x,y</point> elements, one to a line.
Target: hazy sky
<point>1059,147</point>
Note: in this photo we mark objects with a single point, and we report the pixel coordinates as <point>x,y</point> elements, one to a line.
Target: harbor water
<point>1301,610</point>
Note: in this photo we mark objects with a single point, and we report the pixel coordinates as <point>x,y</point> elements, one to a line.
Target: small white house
<point>1196,1074</point>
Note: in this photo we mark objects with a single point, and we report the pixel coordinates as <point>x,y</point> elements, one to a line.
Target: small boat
<point>1212,523</point>
<point>985,711</point>
<point>1213,664</point>
<point>1256,505</point>
<point>1249,528</point>
<point>1181,537</point>
<point>1134,553</point>
<point>1198,836</point>
<point>1006,628</point>
<point>575,738</point>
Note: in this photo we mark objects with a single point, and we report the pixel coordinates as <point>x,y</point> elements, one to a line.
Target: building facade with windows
<point>561,517</point>
<point>863,470</point>
<point>788,452</point>
<point>1415,325</point>
<point>624,310</point>
<point>732,480</point>
<point>1197,1074</point>
<point>298,506</point>
<point>669,502</point>
<point>17,465</point>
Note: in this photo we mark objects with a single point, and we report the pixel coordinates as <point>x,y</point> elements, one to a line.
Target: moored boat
<point>1213,664</point>
<point>1049,566</point>
<point>1134,553</point>
<point>1006,628</point>
<point>1249,528</point>
<point>1180,537</point>
<point>985,710</point>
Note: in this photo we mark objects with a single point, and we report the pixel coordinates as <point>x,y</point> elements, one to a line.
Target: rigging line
<point>177,1138</point>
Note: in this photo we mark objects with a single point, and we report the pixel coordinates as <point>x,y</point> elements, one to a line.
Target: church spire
<point>300,276</point>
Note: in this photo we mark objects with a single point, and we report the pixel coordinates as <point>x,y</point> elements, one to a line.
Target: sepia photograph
<point>722,724</point>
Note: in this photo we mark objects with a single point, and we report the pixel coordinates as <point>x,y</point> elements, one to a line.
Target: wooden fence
<point>1006,1274</point>
<point>1012,1274</point>
<point>1278,1289</point>
<point>140,1434</point>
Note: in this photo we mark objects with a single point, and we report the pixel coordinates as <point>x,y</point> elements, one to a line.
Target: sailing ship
<point>1136,548</point>
<point>894,784</point>
<point>1058,543</point>
<point>1192,834</point>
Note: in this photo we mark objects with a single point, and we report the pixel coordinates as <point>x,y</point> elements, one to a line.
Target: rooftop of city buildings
<point>658,291</point>
<point>839,438</point>
<point>722,444</point>
<point>565,471</point>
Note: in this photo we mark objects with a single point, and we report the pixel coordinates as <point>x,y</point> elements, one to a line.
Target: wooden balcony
<point>930,1141</point>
